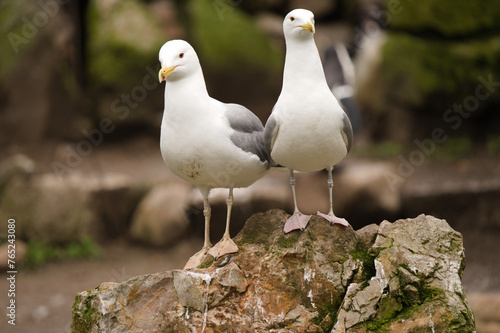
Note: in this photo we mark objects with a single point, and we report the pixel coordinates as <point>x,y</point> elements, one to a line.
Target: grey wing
<point>347,132</point>
<point>270,132</point>
<point>248,132</point>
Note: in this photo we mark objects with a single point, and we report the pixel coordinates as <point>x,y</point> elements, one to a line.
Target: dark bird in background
<point>340,77</point>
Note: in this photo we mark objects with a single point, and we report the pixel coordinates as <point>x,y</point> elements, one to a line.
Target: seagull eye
<point>292,18</point>
<point>181,55</point>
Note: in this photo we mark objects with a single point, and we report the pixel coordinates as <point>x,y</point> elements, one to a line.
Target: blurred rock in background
<point>41,71</point>
<point>435,66</point>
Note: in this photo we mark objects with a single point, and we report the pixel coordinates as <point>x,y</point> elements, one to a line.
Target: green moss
<point>257,230</point>
<point>288,240</point>
<point>375,326</point>
<point>226,37</point>
<point>13,42</point>
<point>123,39</point>
<point>432,75</point>
<point>393,309</point>
<point>389,306</point>
<point>207,263</point>
<point>428,294</point>
<point>83,320</point>
<point>450,18</point>
<point>368,261</point>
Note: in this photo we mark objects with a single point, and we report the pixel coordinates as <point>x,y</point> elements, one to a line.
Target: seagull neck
<point>188,89</point>
<point>303,57</point>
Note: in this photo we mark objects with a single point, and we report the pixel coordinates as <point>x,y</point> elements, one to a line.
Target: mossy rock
<point>122,56</point>
<point>124,37</point>
<point>430,75</point>
<point>225,37</point>
<point>449,18</point>
<point>11,28</point>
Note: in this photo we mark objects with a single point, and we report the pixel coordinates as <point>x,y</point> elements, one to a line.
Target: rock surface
<point>401,276</point>
<point>160,219</point>
<point>61,210</point>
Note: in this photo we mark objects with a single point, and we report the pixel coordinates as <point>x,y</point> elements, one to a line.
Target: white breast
<point>309,136</point>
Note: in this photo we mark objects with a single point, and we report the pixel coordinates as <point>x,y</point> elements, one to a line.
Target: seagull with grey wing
<point>206,142</point>
<point>307,130</point>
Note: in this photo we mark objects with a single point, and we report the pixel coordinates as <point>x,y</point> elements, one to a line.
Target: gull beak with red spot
<point>308,26</point>
<point>165,72</point>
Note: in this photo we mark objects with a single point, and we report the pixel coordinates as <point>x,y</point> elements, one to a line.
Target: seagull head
<point>178,59</point>
<point>299,23</point>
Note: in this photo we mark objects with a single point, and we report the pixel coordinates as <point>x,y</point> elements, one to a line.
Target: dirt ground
<point>44,296</point>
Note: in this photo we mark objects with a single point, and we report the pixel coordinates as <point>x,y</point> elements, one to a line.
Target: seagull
<point>307,130</point>
<point>206,142</point>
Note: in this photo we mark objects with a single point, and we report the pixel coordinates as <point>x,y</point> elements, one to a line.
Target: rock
<point>114,201</point>
<point>240,47</point>
<point>124,38</point>
<point>460,200</point>
<point>51,209</point>
<point>406,278</point>
<point>426,70</point>
<point>40,72</point>
<point>463,18</point>
<point>48,209</point>
<point>15,166</point>
<point>416,76</point>
<point>418,263</point>
<point>160,218</point>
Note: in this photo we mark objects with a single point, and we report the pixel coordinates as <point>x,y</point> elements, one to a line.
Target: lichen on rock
<point>401,276</point>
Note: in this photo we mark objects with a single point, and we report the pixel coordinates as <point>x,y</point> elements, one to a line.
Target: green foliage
<point>449,18</point>
<point>493,145</point>
<point>225,37</point>
<point>453,149</point>
<point>39,253</point>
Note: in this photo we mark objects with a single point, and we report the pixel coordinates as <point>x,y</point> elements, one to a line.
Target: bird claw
<point>296,221</point>
<point>224,246</point>
<point>334,219</point>
<point>197,259</point>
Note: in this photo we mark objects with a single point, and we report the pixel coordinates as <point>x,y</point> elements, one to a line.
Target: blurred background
<point>81,106</point>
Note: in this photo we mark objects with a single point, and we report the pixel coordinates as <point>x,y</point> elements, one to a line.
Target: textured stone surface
<point>402,276</point>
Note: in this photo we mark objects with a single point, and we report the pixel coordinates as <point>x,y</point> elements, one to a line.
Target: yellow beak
<point>164,72</point>
<point>308,26</point>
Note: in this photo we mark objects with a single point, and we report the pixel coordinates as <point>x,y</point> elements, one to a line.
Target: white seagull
<point>204,141</point>
<point>307,130</point>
